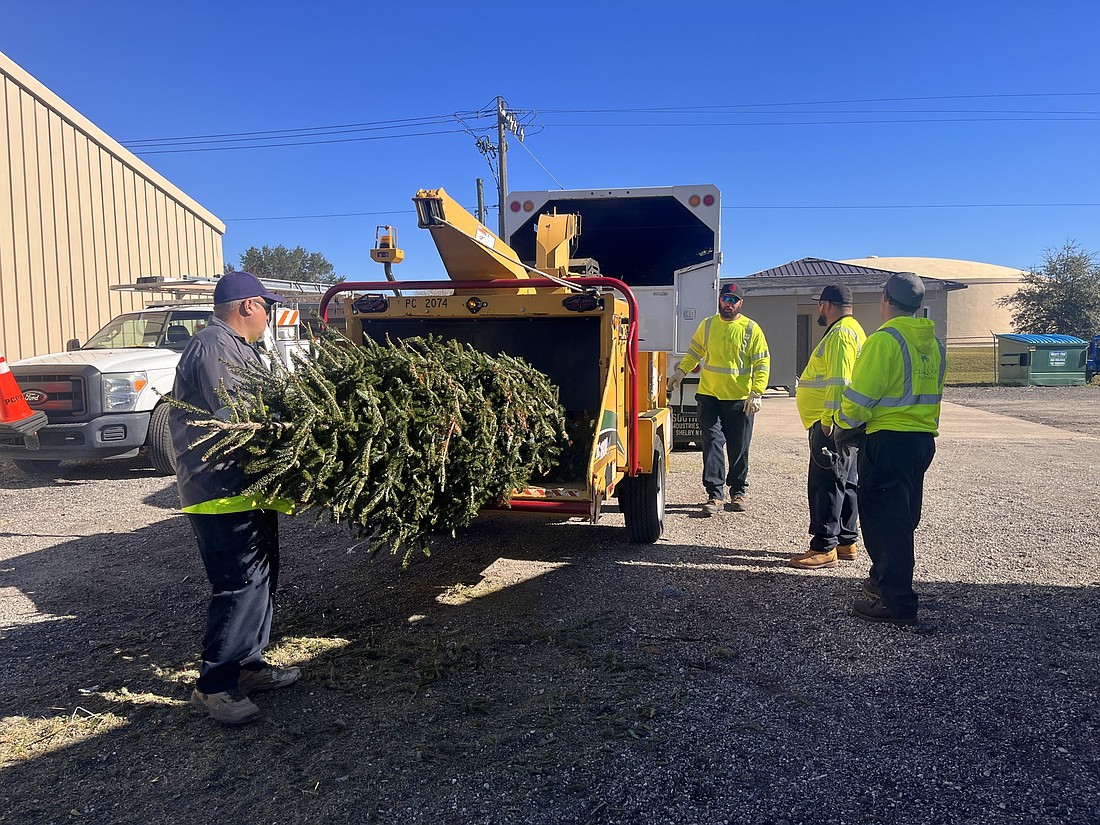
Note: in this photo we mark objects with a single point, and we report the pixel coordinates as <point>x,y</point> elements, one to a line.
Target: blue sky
<point>834,130</point>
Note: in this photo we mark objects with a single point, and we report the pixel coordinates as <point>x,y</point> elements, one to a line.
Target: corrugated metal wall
<point>78,213</point>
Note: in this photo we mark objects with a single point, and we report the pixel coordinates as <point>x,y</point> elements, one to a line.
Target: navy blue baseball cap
<point>236,286</point>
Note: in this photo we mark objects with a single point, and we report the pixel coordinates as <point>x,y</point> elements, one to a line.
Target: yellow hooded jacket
<point>829,372</point>
<point>897,383</point>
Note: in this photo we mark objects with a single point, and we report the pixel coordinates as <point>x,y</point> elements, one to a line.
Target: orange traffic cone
<point>14,412</point>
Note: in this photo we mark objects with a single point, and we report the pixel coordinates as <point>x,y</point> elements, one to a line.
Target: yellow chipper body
<point>581,331</point>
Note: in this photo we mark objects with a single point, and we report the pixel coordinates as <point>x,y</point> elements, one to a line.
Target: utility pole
<point>506,122</point>
<point>480,201</point>
<point>502,178</point>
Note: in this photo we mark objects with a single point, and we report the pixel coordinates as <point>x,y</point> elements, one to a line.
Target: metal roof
<point>1049,338</point>
<point>810,274</point>
<point>818,267</point>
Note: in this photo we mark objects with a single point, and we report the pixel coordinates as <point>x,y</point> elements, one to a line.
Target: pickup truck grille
<point>63,397</point>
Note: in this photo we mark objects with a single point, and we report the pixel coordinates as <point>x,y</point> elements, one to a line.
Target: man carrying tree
<point>238,536</point>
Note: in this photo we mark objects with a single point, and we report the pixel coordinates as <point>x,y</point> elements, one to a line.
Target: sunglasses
<point>265,304</point>
<point>730,299</point>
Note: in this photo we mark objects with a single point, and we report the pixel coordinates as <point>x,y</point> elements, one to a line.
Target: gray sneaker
<point>270,678</point>
<point>230,707</point>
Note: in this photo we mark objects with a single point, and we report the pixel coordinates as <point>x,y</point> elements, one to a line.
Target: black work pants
<point>240,552</point>
<point>891,490</point>
<point>831,492</point>
<point>727,432</point>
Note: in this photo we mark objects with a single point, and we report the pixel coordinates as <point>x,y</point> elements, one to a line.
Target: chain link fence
<point>972,360</point>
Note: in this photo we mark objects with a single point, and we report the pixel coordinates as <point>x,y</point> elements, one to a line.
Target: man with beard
<point>732,354</point>
<point>831,478</point>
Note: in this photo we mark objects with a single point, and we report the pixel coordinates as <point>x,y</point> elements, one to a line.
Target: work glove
<point>752,404</point>
<point>674,380</point>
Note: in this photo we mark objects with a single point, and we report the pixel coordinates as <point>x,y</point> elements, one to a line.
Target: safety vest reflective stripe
<point>728,370</point>
<point>837,329</point>
<point>907,398</point>
<point>823,383</point>
<point>745,341</point>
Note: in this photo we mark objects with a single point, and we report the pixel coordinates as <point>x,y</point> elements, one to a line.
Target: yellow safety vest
<point>733,357</point>
<point>897,383</point>
<point>240,504</point>
<point>829,372</point>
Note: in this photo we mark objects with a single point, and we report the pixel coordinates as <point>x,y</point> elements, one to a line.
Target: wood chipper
<point>579,330</point>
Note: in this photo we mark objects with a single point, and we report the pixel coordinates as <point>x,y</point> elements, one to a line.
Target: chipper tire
<point>642,499</point>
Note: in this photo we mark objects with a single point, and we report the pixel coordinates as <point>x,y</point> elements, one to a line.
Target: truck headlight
<point>121,390</point>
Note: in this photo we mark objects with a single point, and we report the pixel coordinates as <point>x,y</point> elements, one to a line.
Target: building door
<point>802,351</point>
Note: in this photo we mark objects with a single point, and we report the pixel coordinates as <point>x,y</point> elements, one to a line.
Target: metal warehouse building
<point>78,214</point>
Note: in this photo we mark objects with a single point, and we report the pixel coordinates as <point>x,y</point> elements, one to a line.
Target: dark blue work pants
<point>891,490</point>
<point>831,491</point>
<point>727,432</point>
<point>241,554</point>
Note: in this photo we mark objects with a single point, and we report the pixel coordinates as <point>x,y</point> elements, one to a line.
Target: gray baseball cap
<point>906,289</point>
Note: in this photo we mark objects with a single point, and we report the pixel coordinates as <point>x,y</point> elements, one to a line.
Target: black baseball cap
<point>236,286</point>
<point>906,289</point>
<point>837,294</point>
<point>731,290</point>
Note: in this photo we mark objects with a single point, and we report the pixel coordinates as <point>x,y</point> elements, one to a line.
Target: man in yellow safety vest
<point>831,477</point>
<point>895,394</point>
<point>732,354</point>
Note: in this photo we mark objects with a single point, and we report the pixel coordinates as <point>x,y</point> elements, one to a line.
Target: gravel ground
<point>546,672</point>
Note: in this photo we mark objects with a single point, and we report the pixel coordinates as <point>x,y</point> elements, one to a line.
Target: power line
<point>257,138</point>
<point>828,102</point>
<point>725,207</point>
<point>295,143</point>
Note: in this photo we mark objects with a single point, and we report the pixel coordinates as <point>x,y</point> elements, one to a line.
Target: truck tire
<point>642,499</point>
<point>159,442</point>
<point>36,466</point>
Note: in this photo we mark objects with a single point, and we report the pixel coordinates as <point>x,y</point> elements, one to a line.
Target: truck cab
<point>104,398</point>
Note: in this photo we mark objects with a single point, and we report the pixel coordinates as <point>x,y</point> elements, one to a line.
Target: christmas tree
<point>403,439</point>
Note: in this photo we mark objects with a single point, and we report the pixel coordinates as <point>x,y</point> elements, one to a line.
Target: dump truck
<point>580,330</point>
<point>104,398</point>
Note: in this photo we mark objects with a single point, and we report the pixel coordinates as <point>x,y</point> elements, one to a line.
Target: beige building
<point>960,297</point>
<point>78,214</point>
<point>973,312</point>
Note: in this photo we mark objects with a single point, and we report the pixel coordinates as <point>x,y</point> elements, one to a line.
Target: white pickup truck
<point>104,399</point>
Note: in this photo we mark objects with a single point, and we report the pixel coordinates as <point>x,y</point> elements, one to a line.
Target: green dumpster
<point>1051,360</point>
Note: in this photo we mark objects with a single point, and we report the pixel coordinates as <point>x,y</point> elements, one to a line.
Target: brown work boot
<point>737,503</point>
<point>869,590</point>
<point>270,678</point>
<point>711,507</point>
<point>872,609</point>
<point>230,707</point>
<point>847,552</point>
<point>814,559</point>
